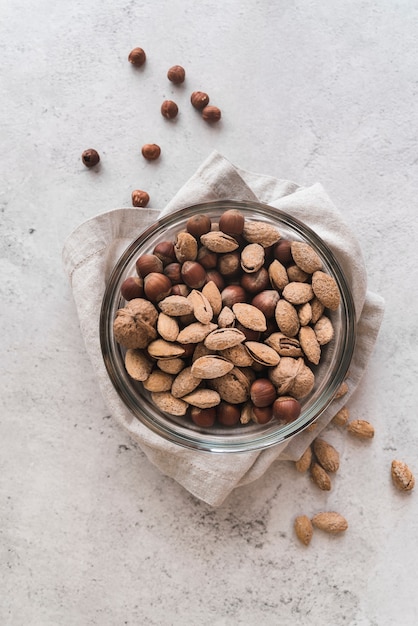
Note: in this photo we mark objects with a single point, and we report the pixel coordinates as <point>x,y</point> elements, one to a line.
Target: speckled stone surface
<point>90,532</point>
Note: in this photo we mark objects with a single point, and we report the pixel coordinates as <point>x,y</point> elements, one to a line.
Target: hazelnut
<point>262,414</point>
<point>256,282</point>
<point>207,258</point>
<point>139,198</point>
<point>132,287</point>
<point>215,276</point>
<point>199,99</point>
<point>151,151</point>
<point>173,272</point>
<point>165,251</point>
<point>250,335</point>
<point>198,225</point>
<point>262,392</point>
<point>228,414</point>
<point>282,252</point>
<point>180,290</point>
<point>266,302</point>
<point>137,57</point>
<point>193,274</point>
<point>203,417</point>
<point>169,109</point>
<point>147,263</point>
<point>176,74</point>
<point>156,286</point>
<point>286,409</point>
<point>231,222</point>
<point>211,114</point>
<point>90,157</point>
<point>233,294</point>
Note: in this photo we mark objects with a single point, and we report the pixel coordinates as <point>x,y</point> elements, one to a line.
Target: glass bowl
<point>329,374</point>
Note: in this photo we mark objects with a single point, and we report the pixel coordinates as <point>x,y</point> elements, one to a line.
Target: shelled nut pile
<point>226,324</point>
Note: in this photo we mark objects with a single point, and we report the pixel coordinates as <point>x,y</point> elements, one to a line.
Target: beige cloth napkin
<point>91,251</point>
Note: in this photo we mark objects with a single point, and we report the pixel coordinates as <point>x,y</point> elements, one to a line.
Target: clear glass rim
<point>185,435</point>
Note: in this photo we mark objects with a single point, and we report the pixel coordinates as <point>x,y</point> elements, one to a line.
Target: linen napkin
<point>92,250</point>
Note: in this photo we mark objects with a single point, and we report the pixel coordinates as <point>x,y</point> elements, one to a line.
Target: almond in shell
<point>195,332</point>
<point>203,398</point>
<point>137,364</point>
<point>330,522</point>
<point>284,345</point>
<point>278,275</point>
<point>217,241</point>
<point>402,477</point>
<point>262,354</point>
<point>167,403</point>
<point>324,330</point>
<point>309,344</point>
<point>320,477</point>
<point>176,306</point>
<point>362,429</point>
<point>211,366</point>
<point>326,290</point>
<point>234,387</point>
<point>185,382</point>
<point>167,327</point>
<point>171,366</point>
<point>158,381</point>
<point>226,318</point>
<point>304,462</point>
<point>238,355</point>
<point>305,257</point>
<point>202,309</point>
<point>223,338</point>
<point>327,456</point>
<point>161,349</point>
<point>260,232</point>
<point>252,258</point>
<point>297,293</point>
<point>287,318</point>
<point>212,293</point>
<point>249,316</point>
<point>303,529</point>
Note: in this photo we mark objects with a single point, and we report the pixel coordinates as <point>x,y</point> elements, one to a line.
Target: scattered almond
<point>402,477</point>
<point>361,429</point>
<point>327,456</point>
<point>304,463</point>
<point>303,529</point>
<point>341,418</point>
<point>320,477</point>
<point>330,522</point>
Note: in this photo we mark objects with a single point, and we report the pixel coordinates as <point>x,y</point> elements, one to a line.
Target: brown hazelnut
<point>137,57</point>
<point>286,409</point>
<point>156,286</point>
<point>282,252</point>
<point>207,258</point>
<point>147,263</point>
<point>173,272</point>
<point>250,335</point>
<point>229,264</point>
<point>256,282</point>
<point>180,290</point>
<point>216,277</point>
<point>199,99</point>
<point>151,151</point>
<point>211,114</point>
<point>140,198</point>
<point>262,414</point>
<point>198,225</point>
<point>266,302</point>
<point>228,414</point>
<point>188,348</point>
<point>176,74</point>
<point>165,251</point>
<point>203,417</point>
<point>193,274</point>
<point>232,222</point>
<point>132,287</point>
<point>90,157</point>
<point>233,294</point>
<point>169,109</point>
<point>263,392</point>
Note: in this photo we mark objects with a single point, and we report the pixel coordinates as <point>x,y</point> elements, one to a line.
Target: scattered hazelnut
<point>140,198</point>
<point>147,263</point>
<point>164,250</point>
<point>151,151</point>
<point>262,392</point>
<point>90,157</point>
<point>198,225</point>
<point>176,74</point>
<point>137,57</point>
<point>286,409</point>
<point>207,258</point>
<point>282,252</point>
<point>233,294</point>
<point>231,222</point>
<point>199,99</point>
<point>215,276</point>
<point>169,109</point>
<point>203,417</point>
<point>132,287</point>
<point>156,286</point>
<point>193,274</point>
<point>228,414</point>
<point>266,302</point>
<point>211,114</point>
<point>173,271</point>
<point>229,264</point>
<point>256,282</point>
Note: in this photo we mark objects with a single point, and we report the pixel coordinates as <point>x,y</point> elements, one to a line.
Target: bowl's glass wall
<point>329,375</point>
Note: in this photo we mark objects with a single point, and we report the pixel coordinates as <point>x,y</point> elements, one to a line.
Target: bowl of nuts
<point>227,326</point>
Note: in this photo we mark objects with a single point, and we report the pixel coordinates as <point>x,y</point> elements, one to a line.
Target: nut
<point>205,418</point>
<point>233,387</point>
<point>260,232</point>
<point>305,257</point>
<point>252,257</point>
<point>203,398</point>
<point>287,318</point>
<point>326,455</point>
<point>262,392</point>
<point>147,263</point>
<point>320,477</point>
<point>151,151</point>
<point>262,354</point>
<point>278,275</point>
<point>211,366</point>
<point>286,409</point>
<point>199,99</point>
<point>217,241</point>
<point>213,295</point>
<point>266,301</point>
<point>297,293</point>
<point>232,222</point>
<point>185,247</point>
<point>303,529</point>
<point>90,157</point>
<point>284,346</point>
<point>249,316</point>
<point>139,198</point>
<point>176,306</point>
<point>282,251</point>
<point>169,109</point>
<point>161,349</point>
<point>341,391</point>
<point>193,274</point>
<point>202,309</point>
<point>309,344</point>
<point>132,287</point>
<point>361,429</point>
<point>330,522</point>
<point>341,418</point>
<point>167,403</point>
<point>176,74</point>
<point>304,462</point>
<point>164,250</point>
<point>326,290</point>
<point>137,57</point>
<point>156,286</point>
<point>167,327</point>
<point>198,225</point>
<point>223,338</point>
<point>262,414</point>
<point>195,332</point>
<point>228,414</point>
<point>158,381</point>
<point>184,383</point>
<point>256,281</point>
<point>134,325</point>
<point>137,364</point>
<point>211,114</point>
<point>324,330</point>
<point>402,477</point>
